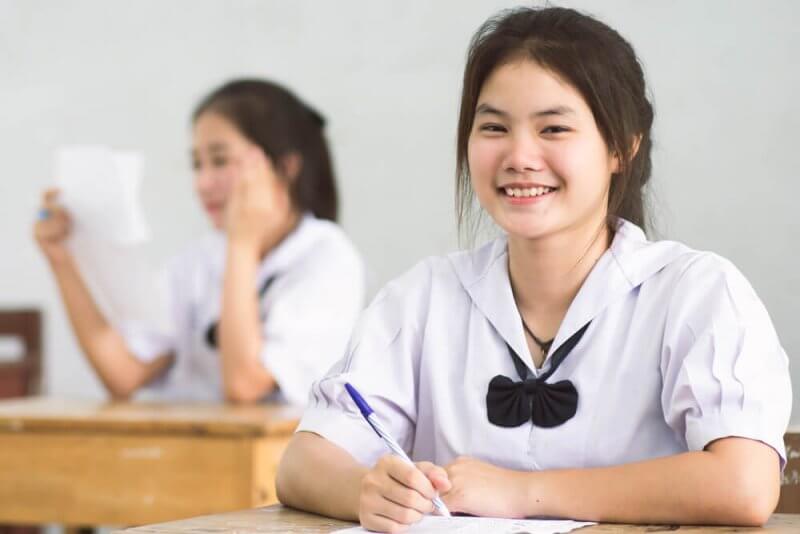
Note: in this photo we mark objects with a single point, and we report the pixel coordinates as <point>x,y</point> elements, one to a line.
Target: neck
<point>547,273</point>
<point>272,240</point>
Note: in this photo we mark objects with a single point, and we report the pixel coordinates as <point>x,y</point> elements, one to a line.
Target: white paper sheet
<point>99,187</point>
<point>484,525</point>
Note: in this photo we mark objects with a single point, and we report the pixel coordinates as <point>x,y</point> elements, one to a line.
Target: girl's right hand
<point>395,494</point>
<point>52,227</point>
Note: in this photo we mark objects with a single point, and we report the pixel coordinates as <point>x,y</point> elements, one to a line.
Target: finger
<point>50,194</point>
<point>410,476</point>
<point>437,475</point>
<point>378,523</point>
<point>406,497</point>
<point>395,512</point>
<point>254,163</point>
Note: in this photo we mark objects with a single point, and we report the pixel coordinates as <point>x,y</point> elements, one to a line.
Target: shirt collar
<point>630,260</point>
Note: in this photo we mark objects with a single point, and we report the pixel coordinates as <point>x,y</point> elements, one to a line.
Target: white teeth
<point>527,192</point>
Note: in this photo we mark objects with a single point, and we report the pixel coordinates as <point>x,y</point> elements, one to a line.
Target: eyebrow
<point>486,109</point>
<point>217,147</point>
<point>213,148</point>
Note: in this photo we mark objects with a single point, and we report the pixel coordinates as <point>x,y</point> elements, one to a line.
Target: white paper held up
<point>99,187</point>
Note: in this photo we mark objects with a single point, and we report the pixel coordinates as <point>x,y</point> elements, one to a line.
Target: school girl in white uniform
<point>263,305</point>
<point>570,368</point>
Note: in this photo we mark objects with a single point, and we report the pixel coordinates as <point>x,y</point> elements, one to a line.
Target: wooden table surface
<point>275,519</point>
<point>79,462</point>
<point>46,414</point>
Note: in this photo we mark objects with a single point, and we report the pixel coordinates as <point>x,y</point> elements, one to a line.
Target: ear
<point>635,143</point>
<point>291,165</point>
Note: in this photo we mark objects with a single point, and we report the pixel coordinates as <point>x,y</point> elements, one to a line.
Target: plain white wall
<point>387,76</point>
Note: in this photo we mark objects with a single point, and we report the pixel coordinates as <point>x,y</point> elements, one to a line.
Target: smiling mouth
<point>526,192</point>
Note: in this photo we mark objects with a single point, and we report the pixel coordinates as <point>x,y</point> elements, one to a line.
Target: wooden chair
<point>23,377</point>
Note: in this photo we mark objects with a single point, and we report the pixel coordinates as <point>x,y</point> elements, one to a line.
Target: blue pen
<point>369,415</point>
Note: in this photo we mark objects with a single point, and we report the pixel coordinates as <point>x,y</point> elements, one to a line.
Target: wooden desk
<point>277,518</point>
<point>93,463</point>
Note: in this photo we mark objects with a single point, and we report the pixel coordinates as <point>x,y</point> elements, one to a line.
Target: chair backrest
<point>22,377</point>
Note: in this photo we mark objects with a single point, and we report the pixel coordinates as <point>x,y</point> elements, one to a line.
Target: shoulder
<point>672,264</point>
<point>710,290</point>
<point>320,246</point>
<point>450,273</point>
<point>702,291</point>
<point>442,278</point>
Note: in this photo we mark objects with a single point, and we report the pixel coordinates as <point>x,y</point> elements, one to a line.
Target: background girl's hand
<point>259,210</point>
<point>395,494</point>
<point>482,489</point>
<point>52,227</point>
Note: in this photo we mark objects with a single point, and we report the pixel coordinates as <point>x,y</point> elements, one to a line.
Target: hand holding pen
<point>396,491</point>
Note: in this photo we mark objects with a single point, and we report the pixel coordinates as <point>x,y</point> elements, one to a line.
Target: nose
<point>204,180</point>
<point>524,154</point>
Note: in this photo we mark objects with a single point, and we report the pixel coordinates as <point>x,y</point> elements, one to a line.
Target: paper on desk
<point>485,525</point>
<point>99,187</point>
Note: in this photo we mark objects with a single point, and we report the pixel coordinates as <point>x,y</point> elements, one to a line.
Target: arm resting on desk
<point>245,377</point>
<point>318,476</point>
<point>735,481</point>
<point>120,371</point>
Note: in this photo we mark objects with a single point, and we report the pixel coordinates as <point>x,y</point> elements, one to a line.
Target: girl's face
<point>538,163</point>
<point>218,149</point>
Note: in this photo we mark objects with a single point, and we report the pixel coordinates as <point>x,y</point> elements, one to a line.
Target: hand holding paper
<point>96,215</point>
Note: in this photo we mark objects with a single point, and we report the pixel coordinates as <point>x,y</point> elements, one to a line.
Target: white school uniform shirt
<point>680,352</point>
<point>308,311</point>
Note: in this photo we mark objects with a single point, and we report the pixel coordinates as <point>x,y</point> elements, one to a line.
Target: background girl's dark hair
<point>590,56</point>
<point>280,123</point>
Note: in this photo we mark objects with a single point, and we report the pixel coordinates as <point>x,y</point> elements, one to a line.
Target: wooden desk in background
<point>93,463</point>
<point>280,519</point>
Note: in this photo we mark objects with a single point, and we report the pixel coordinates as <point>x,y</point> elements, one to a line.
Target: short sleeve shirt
<point>679,352</point>
<point>311,292</point>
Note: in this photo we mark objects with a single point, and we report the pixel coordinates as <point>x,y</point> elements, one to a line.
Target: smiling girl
<point>263,305</point>
<point>571,367</point>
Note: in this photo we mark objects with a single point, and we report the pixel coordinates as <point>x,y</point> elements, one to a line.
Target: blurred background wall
<point>386,74</point>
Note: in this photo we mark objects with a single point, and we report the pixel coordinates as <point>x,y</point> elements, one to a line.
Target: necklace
<point>544,345</point>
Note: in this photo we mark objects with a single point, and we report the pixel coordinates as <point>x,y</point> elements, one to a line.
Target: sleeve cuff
<point>347,430</point>
<point>701,432</point>
<point>143,342</point>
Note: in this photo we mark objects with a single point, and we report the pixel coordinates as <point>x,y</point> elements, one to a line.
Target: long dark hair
<point>280,123</point>
<point>598,62</point>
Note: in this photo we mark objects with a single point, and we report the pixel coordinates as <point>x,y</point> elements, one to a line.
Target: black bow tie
<point>511,404</point>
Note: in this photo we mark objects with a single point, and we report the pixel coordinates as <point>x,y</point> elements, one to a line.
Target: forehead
<point>525,86</point>
<point>214,128</point>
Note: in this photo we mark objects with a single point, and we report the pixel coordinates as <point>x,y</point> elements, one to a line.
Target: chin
<point>526,229</point>
<point>217,222</point>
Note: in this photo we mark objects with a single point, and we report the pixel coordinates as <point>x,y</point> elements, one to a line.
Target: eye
<point>219,161</point>
<point>195,164</point>
<point>492,127</point>
<point>555,129</point>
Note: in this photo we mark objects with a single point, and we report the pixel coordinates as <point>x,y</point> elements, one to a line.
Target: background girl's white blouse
<point>680,352</point>
<point>309,309</point>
